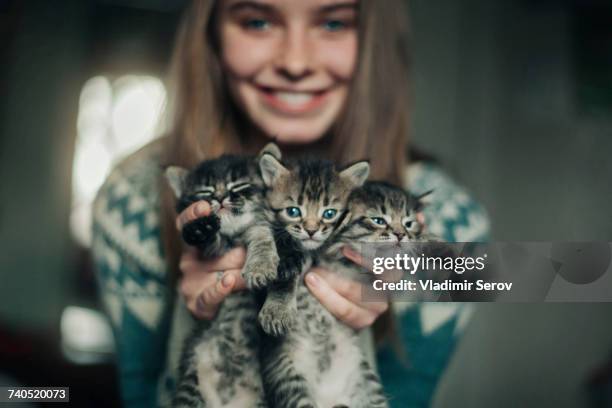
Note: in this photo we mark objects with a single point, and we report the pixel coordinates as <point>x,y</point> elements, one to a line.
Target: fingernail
<point>312,279</point>
<point>227,281</point>
<point>201,209</point>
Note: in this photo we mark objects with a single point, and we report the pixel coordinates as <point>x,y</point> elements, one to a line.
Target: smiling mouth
<point>293,102</point>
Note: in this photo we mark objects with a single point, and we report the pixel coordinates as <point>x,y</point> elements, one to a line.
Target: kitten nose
<point>399,235</point>
<point>310,232</point>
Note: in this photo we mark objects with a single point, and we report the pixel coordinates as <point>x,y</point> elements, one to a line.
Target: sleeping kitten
<point>219,365</point>
<point>308,198</point>
<point>320,363</point>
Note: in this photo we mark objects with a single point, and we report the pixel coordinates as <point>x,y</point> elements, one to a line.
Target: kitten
<point>383,213</point>
<point>308,198</point>
<point>219,365</point>
<point>320,363</point>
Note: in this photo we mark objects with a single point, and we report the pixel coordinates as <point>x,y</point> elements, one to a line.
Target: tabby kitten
<point>308,199</point>
<point>381,212</point>
<point>320,363</point>
<point>219,365</point>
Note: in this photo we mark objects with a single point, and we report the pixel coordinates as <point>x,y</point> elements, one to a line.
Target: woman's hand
<point>205,283</point>
<point>342,297</point>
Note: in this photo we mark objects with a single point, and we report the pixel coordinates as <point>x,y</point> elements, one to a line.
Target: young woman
<point>327,77</point>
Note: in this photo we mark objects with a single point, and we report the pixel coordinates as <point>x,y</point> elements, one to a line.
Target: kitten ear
<point>176,178</point>
<point>271,148</point>
<point>357,173</point>
<point>271,169</point>
<point>422,200</point>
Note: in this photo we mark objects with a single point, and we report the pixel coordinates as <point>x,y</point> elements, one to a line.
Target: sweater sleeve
<point>430,331</point>
<point>131,276</point>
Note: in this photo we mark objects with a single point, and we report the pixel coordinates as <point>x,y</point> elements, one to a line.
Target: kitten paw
<point>201,230</point>
<point>277,320</point>
<point>261,273</point>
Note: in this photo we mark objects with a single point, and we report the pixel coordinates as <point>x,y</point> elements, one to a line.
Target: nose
<point>310,231</point>
<point>294,62</point>
<point>399,235</point>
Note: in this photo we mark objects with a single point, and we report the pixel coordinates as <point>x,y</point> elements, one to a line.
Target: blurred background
<point>513,98</point>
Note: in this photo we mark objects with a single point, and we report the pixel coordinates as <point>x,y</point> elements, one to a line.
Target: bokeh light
<point>115,118</point>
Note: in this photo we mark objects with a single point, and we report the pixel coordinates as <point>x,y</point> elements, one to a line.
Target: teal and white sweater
<point>133,282</point>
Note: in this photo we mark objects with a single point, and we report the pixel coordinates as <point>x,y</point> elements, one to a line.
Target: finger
<point>215,294</point>
<point>190,259</point>
<point>239,284</point>
<point>345,287</point>
<point>343,309</point>
<point>206,304</point>
<point>194,211</point>
<point>203,311</point>
<point>233,259</point>
<point>353,255</point>
<point>192,284</point>
<point>351,290</point>
<point>421,219</point>
<point>191,289</point>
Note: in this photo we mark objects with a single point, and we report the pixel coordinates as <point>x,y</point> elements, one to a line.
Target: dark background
<point>513,97</point>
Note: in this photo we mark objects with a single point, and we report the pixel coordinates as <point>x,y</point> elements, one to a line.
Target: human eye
<point>339,18</point>
<point>334,25</point>
<point>256,24</point>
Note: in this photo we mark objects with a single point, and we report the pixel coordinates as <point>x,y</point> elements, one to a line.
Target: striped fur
<point>317,363</point>
<point>220,365</point>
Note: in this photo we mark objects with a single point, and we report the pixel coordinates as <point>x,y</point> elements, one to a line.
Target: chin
<point>310,244</point>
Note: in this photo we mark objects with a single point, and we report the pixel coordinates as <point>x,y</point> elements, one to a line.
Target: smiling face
<point>289,62</point>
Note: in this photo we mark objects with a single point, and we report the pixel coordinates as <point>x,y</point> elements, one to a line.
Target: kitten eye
<point>202,194</point>
<point>378,220</point>
<point>408,224</point>
<point>293,212</point>
<point>240,187</point>
<point>330,213</point>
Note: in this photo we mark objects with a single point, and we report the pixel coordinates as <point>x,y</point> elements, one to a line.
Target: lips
<point>293,102</point>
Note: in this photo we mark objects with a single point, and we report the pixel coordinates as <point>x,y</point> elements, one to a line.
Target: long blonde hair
<point>205,122</point>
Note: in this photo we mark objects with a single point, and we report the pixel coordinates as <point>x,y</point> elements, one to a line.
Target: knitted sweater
<point>133,282</point>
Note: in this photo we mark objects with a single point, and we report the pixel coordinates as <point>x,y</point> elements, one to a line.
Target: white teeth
<point>294,99</point>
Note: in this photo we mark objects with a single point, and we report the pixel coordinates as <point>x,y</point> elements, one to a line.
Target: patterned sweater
<point>132,277</point>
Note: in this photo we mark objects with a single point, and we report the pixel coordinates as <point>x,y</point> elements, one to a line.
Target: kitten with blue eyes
<point>309,201</point>
<point>307,198</point>
<point>219,363</point>
<point>382,212</point>
<point>319,363</point>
